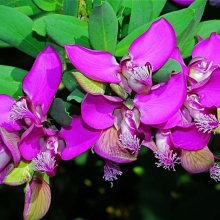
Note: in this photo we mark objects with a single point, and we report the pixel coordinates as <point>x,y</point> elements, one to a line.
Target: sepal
<point>37,198</point>
<point>197,161</point>
<point>20,174</point>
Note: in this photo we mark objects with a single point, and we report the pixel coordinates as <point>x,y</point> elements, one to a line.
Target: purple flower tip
<point>206,123</point>
<point>130,142</point>
<point>44,162</point>
<point>215,172</point>
<point>111,170</point>
<point>167,159</point>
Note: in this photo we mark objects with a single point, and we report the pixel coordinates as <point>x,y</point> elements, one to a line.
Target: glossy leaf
<point>89,85</point>
<point>11,81</point>
<point>103,28</point>
<point>37,198</point>
<point>25,6</point>
<point>115,4</point>
<point>157,8</point>
<point>40,24</point>
<point>198,6</point>
<point>178,19</point>
<point>164,73</point>
<point>70,7</point>
<point>49,5</point>
<point>204,29</point>
<point>141,10</point>
<point>69,80</point>
<point>16,30</point>
<point>119,91</point>
<point>59,114</point>
<point>65,29</point>
<point>77,95</point>
<point>20,174</point>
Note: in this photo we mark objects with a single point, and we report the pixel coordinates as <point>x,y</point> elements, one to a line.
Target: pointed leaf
<point>89,85</point>
<point>69,80</point>
<point>70,7</point>
<point>204,29</point>
<point>11,81</point>
<point>25,6</point>
<point>119,91</point>
<point>49,5</point>
<point>157,8</point>
<point>16,30</point>
<point>65,29</point>
<point>197,161</point>
<point>20,174</point>
<point>141,10</point>
<point>198,6</point>
<point>37,198</point>
<point>178,19</point>
<point>103,28</point>
<point>59,114</point>
<point>115,4</point>
<point>77,94</point>
<point>164,73</point>
<point>40,26</point>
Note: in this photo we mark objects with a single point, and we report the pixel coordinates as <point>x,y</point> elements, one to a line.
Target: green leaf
<point>115,4</point>
<point>204,29</point>
<point>140,14</point>
<point>16,30</point>
<point>11,81</point>
<point>49,5</point>
<point>119,91</point>
<point>157,8</point>
<point>37,198</point>
<point>3,44</point>
<point>178,19</point>
<point>163,74</point>
<point>70,7</point>
<point>198,6</point>
<point>25,6</point>
<point>65,29</point>
<point>59,114</point>
<point>69,80</point>
<point>77,95</point>
<point>89,85</point>
<point>103,28</point>
<point>20,174</point>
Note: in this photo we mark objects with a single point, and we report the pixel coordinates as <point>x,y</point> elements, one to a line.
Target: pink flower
<point>147,53</point>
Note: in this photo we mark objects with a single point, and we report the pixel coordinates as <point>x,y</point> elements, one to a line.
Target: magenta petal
<point>183,2</point>
<point>11,141</point>
<point>97,110</point>
<point>209,92</point>
<point>6,103</point>
<point>162,104</point>
<point>146,130</point>
<point>29,146</point>
<point>172,122</point>
<point>96,65</point>
<point>155,45</point>
<point>209,49</point>
<point>189,138</point>
<point>43,80</point>
<point>79,137</point>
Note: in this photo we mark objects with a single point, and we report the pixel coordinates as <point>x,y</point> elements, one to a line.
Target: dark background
<point>143,192</point>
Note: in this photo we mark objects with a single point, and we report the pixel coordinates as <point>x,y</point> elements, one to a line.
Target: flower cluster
<point>174,118</point>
